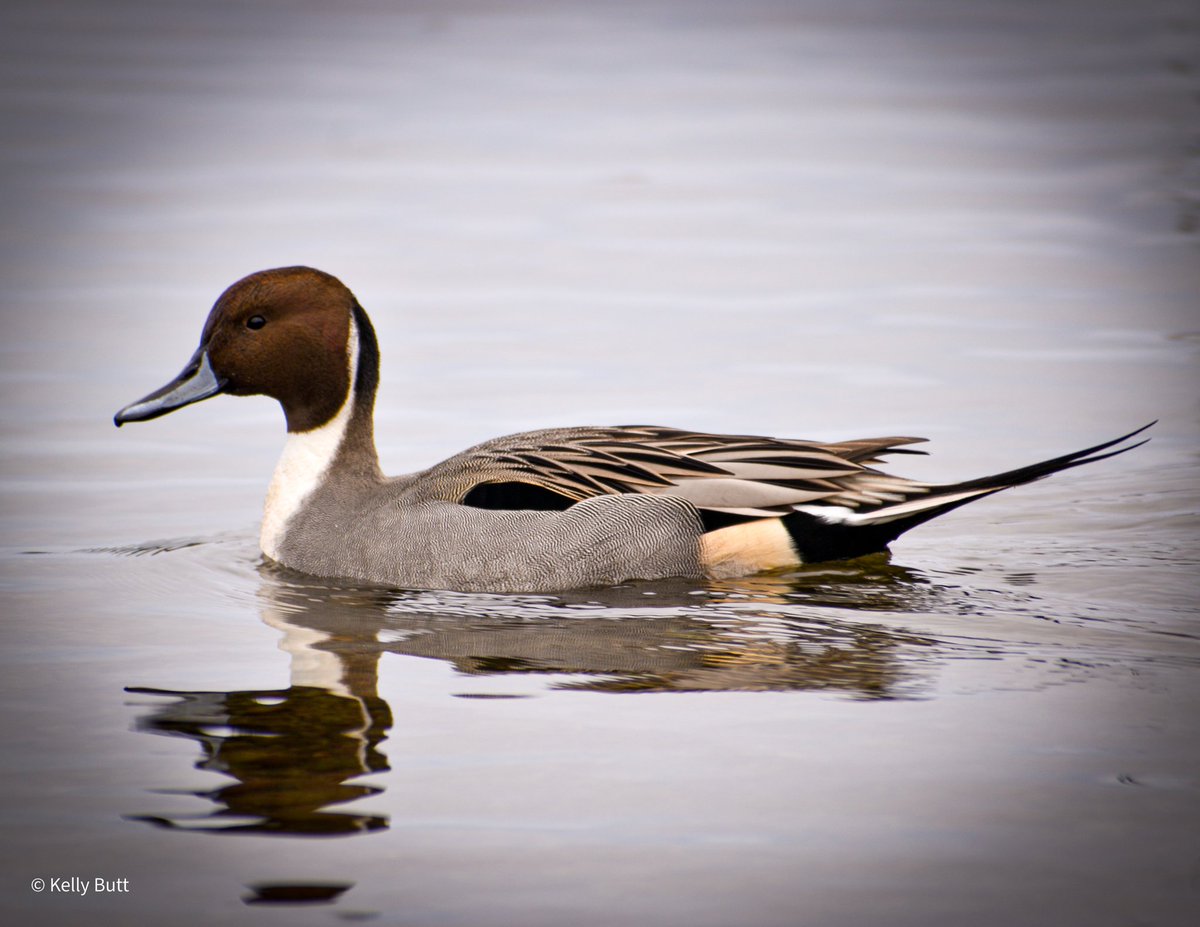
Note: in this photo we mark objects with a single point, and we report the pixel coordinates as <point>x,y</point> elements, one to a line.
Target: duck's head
<point>290,333</point>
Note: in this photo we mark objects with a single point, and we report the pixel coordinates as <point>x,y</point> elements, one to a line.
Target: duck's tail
<point>823,532</point>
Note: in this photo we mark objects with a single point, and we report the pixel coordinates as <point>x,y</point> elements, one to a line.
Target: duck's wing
<point>744,476</point>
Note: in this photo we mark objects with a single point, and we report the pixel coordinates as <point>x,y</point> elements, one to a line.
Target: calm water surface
<point>829,220</point>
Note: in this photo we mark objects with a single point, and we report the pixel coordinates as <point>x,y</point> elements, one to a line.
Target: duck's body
<point>538,511</point>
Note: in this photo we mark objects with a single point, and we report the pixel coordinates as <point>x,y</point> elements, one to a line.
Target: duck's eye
<point>255,322</point>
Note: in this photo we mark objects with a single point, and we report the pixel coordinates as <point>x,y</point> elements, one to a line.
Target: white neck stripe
<point>305,460</point>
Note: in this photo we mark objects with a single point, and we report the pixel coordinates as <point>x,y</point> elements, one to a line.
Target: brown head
<point>283,333</point>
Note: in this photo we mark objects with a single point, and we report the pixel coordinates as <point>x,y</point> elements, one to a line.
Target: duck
<point>541,511</point>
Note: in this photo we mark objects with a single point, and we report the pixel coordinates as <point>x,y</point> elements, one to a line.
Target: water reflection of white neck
<point>311,665</point>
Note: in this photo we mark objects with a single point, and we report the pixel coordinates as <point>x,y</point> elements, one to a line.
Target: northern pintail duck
<point>543,510</point>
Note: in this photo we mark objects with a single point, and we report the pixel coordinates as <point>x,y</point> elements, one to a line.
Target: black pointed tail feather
<point>817,539</point>
<point>1036,471</point>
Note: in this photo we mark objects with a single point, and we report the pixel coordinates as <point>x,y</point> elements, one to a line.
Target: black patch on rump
<point>817,540</point>
<point>516,495</point>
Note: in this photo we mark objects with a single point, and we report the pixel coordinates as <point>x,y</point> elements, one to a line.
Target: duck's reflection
<point>294,753</point>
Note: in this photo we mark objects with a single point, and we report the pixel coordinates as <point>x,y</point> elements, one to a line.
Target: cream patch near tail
<point>751,547</point>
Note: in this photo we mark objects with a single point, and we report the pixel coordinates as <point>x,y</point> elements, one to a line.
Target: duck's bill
<point>197,381</point>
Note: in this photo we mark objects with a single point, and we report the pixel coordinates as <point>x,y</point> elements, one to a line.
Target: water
<point>815,219</point>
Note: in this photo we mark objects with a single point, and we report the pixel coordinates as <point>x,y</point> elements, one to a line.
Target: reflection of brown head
<point>291,753</point>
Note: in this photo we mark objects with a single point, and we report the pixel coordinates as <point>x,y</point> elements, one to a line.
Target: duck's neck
<point>343,447</point>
